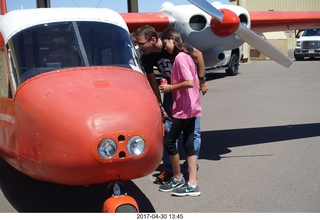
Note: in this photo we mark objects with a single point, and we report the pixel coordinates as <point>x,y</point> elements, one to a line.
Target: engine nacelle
<point>196,28</point>
<point>214,56</point>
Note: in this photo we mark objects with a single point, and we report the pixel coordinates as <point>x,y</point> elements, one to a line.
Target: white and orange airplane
<point>75,106</point>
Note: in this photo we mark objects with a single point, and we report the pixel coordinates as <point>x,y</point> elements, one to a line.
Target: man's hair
<point>146,30</point>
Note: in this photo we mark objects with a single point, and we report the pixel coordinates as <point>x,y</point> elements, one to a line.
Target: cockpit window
<point>48,47</point>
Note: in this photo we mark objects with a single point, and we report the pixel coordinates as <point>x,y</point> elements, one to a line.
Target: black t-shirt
<point>161,60</point>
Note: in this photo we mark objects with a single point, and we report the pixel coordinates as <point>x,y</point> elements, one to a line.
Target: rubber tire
<point>233,65</point>
<point>298,58</point>
<point>126,208</point>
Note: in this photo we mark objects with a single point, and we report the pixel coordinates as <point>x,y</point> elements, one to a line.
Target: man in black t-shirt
<point>154,55</point>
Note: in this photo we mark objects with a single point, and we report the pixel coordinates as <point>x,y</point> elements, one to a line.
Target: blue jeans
<point>167,104</point>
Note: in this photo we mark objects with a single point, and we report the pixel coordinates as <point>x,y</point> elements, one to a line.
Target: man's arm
<point>155,87</point>
<point>199,61</point>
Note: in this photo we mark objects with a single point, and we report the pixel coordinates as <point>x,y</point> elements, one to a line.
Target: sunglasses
<point>141,44</point>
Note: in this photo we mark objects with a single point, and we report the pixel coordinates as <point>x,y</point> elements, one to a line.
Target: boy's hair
<point>146,30</point>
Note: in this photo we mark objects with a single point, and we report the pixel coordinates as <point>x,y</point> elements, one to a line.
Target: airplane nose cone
<point>229,24</point>
<point>73,112</point>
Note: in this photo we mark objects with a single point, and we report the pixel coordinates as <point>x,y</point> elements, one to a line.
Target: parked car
<point>308,44</point>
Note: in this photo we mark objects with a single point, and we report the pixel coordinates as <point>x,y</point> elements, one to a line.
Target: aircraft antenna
<point>98,3</point>
<point>75,3</point>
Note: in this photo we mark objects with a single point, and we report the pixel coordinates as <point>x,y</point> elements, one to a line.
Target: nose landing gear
<point>118,202</point>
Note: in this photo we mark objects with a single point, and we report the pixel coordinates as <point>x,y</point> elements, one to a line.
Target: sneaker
<point>172,184</point>
<point>164,176</point>
<point>186,190</point>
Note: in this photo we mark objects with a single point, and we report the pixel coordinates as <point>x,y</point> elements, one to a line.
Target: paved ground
<point>260,152</point>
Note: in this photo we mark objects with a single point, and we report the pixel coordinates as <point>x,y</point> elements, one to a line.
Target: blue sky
<point>117,5</point>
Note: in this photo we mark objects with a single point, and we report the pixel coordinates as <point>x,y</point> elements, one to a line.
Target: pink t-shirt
<point>186,102</point>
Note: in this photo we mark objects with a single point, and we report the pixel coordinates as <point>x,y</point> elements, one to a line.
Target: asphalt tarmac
<point>260,152</point>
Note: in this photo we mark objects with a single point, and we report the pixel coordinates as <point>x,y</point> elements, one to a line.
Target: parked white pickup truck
<point>308,44</point>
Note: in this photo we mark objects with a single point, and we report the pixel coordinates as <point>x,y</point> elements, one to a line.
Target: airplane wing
<point>3,7</point>
<point>261,21</point>
<point>267,21</point>
<point>159,20</point>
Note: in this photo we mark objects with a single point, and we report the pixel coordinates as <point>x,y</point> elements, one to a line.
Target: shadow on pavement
<point>216,143</point>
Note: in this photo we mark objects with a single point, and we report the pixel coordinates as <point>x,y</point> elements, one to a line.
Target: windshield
<point>311,32</point>
<point>47,47</point>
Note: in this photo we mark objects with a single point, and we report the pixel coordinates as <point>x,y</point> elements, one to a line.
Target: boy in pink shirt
<point>186,107</point>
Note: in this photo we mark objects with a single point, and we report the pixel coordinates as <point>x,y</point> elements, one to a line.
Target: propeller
<point>241,31</point>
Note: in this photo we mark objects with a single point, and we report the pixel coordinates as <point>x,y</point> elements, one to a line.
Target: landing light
<point>107,148</point>
<point>136,145</point>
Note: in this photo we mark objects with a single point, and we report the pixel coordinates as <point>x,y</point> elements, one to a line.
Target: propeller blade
<point>263,46</point>
<point>207,7</point>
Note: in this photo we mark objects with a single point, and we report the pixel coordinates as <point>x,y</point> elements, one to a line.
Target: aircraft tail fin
<point>3,7</point>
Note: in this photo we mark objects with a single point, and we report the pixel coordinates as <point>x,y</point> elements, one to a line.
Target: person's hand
<point>165,88</point>
<point>165,115</point>
<point>204,87</point>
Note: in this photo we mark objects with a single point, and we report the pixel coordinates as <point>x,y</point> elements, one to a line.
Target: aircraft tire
<point>233,65</point>
<point>126,208</point>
